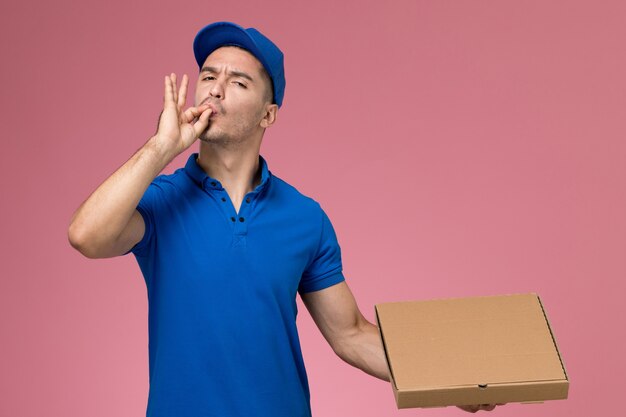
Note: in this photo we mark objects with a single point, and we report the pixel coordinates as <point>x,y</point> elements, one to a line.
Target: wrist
<point>156,154</point>
<point>158,151</point>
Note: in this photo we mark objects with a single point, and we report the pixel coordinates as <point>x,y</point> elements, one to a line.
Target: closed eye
<point>239,83</point>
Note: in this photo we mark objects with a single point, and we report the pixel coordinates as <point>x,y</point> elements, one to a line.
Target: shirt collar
<point>197,174</point>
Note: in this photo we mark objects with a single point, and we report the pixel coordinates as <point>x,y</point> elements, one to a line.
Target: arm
<point>107,224</point>
<point>354,339</point>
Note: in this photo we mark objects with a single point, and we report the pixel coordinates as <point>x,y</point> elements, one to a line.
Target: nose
<point>217,89</point>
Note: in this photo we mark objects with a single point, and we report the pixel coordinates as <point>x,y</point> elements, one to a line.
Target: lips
<point>213,107</point>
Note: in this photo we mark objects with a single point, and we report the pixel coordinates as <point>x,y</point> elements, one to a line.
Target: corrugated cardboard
<point>479,350</point>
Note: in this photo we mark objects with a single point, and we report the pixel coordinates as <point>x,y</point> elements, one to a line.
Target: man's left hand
<point>478,407</point>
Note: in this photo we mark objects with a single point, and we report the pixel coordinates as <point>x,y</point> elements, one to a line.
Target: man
<point>224,245</point>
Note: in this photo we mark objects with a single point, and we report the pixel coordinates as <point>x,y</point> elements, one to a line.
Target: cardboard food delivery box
<point>478,350</point>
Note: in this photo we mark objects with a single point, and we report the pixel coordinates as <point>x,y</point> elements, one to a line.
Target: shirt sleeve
<point>325,269</point>
<point>147,207</point>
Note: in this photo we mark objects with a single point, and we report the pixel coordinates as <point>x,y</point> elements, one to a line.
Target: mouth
<point>213,107</point>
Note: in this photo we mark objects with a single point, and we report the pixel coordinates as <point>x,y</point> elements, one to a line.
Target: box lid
<point>472,342</point>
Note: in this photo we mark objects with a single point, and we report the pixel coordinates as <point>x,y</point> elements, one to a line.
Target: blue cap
<point>220,34</point>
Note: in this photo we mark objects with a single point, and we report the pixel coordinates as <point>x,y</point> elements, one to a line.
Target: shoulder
<point>177,177</point>
<point>166,189</point>
<point>291,197</point>
<point>176,181</point>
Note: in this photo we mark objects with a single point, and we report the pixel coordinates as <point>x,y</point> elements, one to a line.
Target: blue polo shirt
<point>222,291</point>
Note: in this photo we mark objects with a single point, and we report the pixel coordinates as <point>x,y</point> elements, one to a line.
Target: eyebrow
<point>232,72</point>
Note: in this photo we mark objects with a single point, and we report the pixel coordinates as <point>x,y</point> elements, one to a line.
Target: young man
<point>224,245</point>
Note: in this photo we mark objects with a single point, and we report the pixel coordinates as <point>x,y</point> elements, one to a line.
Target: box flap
<point>468,342</point>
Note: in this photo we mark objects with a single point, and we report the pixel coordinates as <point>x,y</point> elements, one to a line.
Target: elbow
<point>354,338</point>
<point>342,351</point>
<point>80,240</point>
<point>348,350</point>
<point>345,345</point>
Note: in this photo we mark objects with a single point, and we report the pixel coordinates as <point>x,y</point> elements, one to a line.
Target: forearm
<point>364,350</point>
<point>102,218</point>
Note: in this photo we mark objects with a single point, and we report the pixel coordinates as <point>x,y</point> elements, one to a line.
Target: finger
<point>159,122</point>
<point>202,122</point>
<point>468,408</point>
<point>488,407</point>
<point>182,95</point>
<point>193,112</point>
<point>173,76</point>
<point>168,97</point>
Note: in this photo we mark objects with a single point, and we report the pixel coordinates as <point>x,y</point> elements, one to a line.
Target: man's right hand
<point>107,223</point>
<point>177,129</point>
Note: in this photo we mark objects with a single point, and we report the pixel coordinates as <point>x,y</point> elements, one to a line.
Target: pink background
<point>460,148</point>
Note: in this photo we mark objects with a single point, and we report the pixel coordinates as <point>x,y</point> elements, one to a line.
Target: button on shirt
<point>222,291</point>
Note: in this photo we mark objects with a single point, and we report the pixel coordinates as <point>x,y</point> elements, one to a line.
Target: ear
<point>271,111</point>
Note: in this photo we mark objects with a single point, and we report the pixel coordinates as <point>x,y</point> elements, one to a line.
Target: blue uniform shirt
<point>222,291</point>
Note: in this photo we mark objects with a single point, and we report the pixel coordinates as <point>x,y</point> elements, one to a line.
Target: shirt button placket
<point>228,209</point>
<point>241,226</point>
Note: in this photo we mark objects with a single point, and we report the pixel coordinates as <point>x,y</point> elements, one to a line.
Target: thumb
<point>203,121</point>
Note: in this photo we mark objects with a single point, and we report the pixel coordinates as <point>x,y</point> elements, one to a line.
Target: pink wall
<point>460,148</point>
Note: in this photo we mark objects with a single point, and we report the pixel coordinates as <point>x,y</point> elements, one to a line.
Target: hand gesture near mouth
<point>177,129</point>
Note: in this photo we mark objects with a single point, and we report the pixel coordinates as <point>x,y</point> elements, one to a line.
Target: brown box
<point>478,350</point>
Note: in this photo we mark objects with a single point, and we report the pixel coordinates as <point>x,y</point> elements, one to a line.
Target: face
<point>233,83</point>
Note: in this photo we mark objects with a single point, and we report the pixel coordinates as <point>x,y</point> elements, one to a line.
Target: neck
<point>238,170</point>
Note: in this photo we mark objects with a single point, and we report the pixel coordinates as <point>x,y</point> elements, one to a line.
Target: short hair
<point>269,91</point>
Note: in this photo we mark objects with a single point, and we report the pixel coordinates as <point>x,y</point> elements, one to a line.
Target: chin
<point>214,137</point>
<point>209,135</point>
